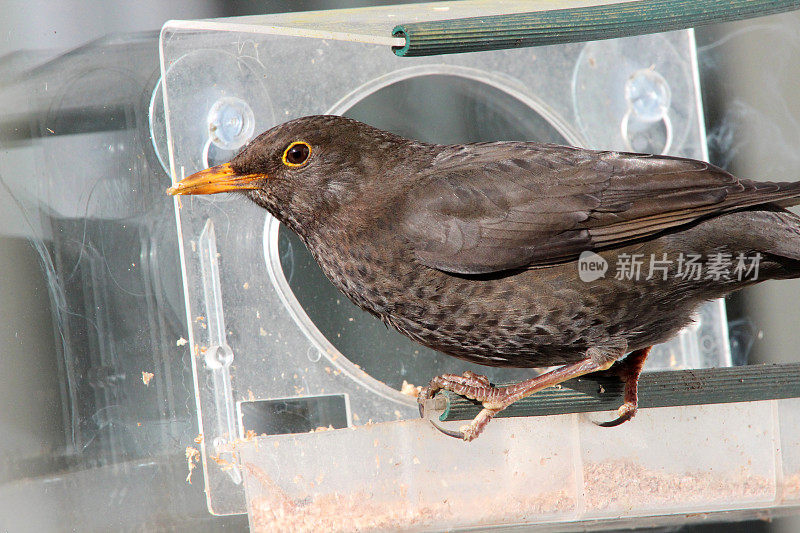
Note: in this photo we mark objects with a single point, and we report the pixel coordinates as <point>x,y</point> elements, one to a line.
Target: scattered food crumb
<point>246,285</point>
<point>645,487</point>
<point>146,377</point>
<point>275,510</point>
<point>192,456</point>
<point>224,465</point>
<point>410,390</point>
<point>181,342</point>
<point>791,487</point>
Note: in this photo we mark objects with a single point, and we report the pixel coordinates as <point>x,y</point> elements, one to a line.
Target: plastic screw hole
<point>219,356</point>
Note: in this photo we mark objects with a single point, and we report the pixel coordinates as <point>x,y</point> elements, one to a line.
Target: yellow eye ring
<point>296,154</point>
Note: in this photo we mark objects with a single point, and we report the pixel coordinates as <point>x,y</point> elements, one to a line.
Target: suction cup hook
<point>646,126</point>
<point>634,94</point>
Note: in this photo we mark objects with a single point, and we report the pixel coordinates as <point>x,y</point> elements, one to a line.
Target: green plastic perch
<point>656,389</point>
<point>578,24</point>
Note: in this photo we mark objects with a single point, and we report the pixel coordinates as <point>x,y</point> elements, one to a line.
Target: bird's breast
<point>371,275</point>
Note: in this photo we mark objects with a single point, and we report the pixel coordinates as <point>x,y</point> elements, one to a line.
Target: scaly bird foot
<point>469,384</point>
<point>495,399</point>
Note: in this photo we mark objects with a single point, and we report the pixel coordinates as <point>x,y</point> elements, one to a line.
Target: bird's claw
<point>625,413</point>
<point>458,434</point>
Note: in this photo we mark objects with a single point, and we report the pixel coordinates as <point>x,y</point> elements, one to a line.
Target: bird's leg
<point>628,370</point>
<point>495,399</point>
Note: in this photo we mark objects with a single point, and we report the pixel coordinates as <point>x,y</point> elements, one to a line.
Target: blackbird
<point>515,254</point>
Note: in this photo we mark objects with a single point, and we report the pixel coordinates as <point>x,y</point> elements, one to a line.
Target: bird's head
<point>307,169</point>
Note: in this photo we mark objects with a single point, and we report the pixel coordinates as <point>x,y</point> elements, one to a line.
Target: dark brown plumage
<point>472,249</point>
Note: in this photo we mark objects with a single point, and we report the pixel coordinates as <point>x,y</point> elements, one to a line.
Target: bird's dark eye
<point>296,154</point>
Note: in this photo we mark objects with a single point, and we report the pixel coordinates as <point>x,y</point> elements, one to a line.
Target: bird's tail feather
<point>783,194</point>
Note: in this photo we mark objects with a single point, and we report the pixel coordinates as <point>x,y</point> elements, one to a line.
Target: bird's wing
<point>498,206</point>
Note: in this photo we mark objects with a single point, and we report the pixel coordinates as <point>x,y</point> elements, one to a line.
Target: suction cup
<point>216,104</point>
<point>633,98</point>
<point>158,126</point>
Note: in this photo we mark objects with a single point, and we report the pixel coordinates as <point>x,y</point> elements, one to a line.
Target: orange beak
<point>221,178</point>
